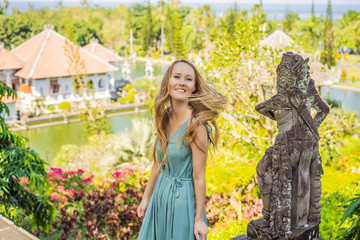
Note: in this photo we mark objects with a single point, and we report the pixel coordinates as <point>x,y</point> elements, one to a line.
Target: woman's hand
<point>142,207</point>
<point>201,229</point>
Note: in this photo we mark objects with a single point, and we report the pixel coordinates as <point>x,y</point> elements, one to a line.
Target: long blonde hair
<point>205,102</point>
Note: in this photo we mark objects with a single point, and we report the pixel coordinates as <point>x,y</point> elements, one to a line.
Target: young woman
<point>174,200</point>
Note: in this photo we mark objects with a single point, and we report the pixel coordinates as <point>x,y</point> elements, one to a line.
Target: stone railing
<point>9,231</point>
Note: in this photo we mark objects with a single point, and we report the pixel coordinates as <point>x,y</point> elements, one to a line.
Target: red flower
<point>24,180</point>
<point>54,196</point>
<point>64,199</point>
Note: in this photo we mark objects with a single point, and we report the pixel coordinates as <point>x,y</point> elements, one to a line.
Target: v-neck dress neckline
<point>182,125</point>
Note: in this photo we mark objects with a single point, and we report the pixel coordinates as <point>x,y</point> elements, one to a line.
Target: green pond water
<point>47,141</point>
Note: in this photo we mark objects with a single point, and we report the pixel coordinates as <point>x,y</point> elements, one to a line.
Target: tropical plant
<point>65,107</point>
<point>245,73</point>
<point>20,163</point>
<point>352,213</point>
<point>136,144</point>
<point>93,120</point>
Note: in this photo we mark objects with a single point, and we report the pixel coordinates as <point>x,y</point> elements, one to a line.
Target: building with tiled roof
<point>47,70</point>
<point>102,52</point>
<point>9,64</point>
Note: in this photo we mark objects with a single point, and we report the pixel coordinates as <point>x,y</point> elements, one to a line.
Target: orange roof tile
<point>104,53</point>
<point>9,61</point>
<point>45,57</point>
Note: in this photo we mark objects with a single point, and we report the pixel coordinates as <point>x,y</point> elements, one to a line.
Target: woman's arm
<point>199,150</point>
<point>155,171</point>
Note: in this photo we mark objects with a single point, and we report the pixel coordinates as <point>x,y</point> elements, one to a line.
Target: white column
<point>8,77</point>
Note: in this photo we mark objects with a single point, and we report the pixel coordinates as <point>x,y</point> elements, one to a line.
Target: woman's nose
<point>182,81</point>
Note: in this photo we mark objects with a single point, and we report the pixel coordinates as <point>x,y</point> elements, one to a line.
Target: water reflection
<point>349,99</point>
<point>47,141</point>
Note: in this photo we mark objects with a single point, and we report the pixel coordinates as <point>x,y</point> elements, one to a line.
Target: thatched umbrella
<point>319,72</point>
<point>277,39</point>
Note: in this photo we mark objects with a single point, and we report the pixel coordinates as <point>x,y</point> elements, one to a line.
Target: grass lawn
<point>352,60</point>
<point>350,72</point>
<point>352,77</point>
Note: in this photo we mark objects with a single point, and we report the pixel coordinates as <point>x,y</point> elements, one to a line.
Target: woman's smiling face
<point>182,81</point>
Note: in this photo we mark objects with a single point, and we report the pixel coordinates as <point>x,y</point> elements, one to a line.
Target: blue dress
<point>171,211</point>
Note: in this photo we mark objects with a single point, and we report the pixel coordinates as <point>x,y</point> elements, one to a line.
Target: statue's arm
<point>322,110</point>
<point>266,108</point>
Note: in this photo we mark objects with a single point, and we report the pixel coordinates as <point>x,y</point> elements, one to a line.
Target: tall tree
<point>312,9</point>
<point>147,28</point>
<point>161,5</point>
<point>327,55</point>
<point>6,4</point>
<point>178,40</point>
<point>169,28</point>
<point>290,19</point>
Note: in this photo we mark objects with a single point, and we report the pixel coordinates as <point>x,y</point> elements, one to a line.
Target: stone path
<point>9,231</point>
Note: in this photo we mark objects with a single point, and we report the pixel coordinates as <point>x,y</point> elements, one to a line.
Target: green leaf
<point>350,209</point>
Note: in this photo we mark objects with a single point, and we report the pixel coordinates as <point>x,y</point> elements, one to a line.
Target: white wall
<point>66,84</point>
<point>12,112</point>
<point>41,87</point>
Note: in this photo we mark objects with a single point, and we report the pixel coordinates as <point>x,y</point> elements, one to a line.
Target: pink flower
<point>56,176</point>
<point>64,199</point>
<point>130,171</point>
<point>113,184</point>
<point>119,175</point>
<point>75,183</point>
<point>54,196</point>
<point>61,189</point>
<point>89,179</point>
<point>71,192</point>
<point>80,171</point>
<point>24,180</point>
<point>57,170</point>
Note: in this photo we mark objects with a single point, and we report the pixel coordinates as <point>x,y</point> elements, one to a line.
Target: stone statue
<point>289,172</point>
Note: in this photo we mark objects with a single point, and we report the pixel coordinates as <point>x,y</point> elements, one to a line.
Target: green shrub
<point>121,100</point>
<point>51,108</point>
<point>227,230</point>
<point>64,106</point>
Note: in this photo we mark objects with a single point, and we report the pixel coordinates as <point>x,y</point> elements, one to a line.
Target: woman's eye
<point>189,79</point>
<point>177,77</point>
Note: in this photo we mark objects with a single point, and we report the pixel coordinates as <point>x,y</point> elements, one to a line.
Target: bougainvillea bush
<point>89,210</point>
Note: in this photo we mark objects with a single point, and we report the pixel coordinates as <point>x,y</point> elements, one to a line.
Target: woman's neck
<point>180,110</point>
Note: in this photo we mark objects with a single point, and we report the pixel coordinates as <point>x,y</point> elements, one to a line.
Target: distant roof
<point>102,52</point>
<point>45,57</point>
<point>277,39</point>
<point>322,75</point>
<point>9,61</point>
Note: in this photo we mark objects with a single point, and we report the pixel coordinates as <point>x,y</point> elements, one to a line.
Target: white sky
<point>355,2</point>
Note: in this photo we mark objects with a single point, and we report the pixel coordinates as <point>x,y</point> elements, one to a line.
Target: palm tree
<point>136,144</point>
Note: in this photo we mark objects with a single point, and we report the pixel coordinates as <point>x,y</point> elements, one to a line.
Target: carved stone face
<point>292,72</point>
<point>285,77</point>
